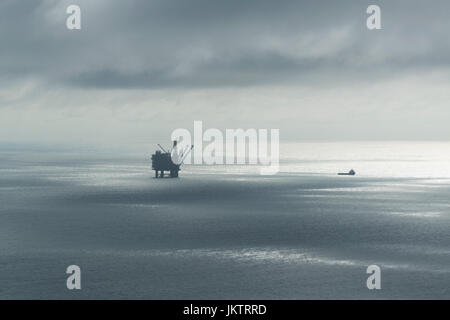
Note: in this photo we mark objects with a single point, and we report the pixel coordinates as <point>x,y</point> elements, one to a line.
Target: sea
<point>225,231</point>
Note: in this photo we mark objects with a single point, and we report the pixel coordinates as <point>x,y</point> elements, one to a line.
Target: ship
<point>350,173</point>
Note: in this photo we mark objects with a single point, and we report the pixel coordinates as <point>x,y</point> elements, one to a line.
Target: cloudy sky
<point>139,69</point>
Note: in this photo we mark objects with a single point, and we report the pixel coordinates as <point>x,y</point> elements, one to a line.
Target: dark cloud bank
<point>310,68</point>
<point>204,43</point>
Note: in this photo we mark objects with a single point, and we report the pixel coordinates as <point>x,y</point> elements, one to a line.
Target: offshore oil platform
<point>170,161</point>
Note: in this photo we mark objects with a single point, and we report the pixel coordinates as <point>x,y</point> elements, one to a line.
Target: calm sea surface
<point>225,232</point>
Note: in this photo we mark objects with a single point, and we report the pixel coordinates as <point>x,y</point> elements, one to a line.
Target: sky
<point>139,69</point>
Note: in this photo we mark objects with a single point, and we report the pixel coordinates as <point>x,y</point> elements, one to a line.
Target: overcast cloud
<point>139,69</point>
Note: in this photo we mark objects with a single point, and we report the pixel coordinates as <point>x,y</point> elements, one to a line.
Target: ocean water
<point>226,232</point>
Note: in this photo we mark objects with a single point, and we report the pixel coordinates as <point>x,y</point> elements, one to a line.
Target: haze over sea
<point>226,232</point>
